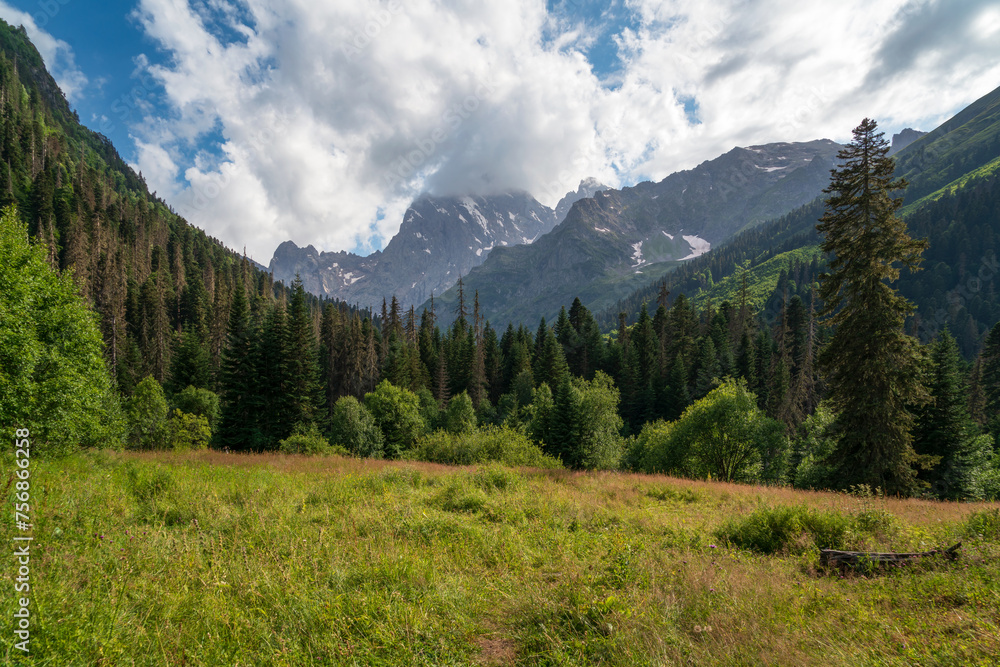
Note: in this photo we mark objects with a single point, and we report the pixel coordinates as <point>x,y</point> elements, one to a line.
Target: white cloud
<point>335,115</point>
<point>57,54</point>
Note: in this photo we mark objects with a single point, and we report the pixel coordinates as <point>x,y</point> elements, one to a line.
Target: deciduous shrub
<point>197,401</point>
<point>460,416</point>
<point>492,443</point>
<point>147,416</point>
<point>308,440</point>
<point>189,431</point>
<point>53,379</point>
<point>771,530</point>
<point>397,413</point>
<point>724,435</point>
<point>354,427</point>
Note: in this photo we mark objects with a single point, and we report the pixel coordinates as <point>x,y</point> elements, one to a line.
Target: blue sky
<point>268,120</point>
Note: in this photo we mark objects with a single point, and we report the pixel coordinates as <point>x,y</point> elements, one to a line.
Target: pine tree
<point>977,397</point>
<point>328,334</point>
<point>271,358</point>
<point>494,363</point>
<point>991,378</point>
<point>870,363</point>
<point>564,424</point>
<point>238,378</point>
<point>706,368</point>
<point>550,366</point>
<point>676,396</point>
<point>190,363</point>
<point>944,427</point>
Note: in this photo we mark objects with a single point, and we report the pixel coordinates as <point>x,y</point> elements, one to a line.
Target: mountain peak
<point>904,138</point>
<point>588,188</point>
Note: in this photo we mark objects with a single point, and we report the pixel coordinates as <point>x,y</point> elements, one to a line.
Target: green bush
<point>189,431</point>
<point>812,447</point>
<point>308,440</point>
<point>460,416</point>
<point>429,409</point>
<point>397,413</point>
<point>724,436</point>
<point>195,401</point>
<point>492,443</point>
<point>354,427</point>
<point>53,378</point>
<point>985,481</point>
<point>147,416</point>
<point>978,469</point>
<point>789,529</point>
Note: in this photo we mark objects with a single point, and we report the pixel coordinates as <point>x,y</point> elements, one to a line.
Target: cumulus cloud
<point>57,54</point>
<point>319,122</point>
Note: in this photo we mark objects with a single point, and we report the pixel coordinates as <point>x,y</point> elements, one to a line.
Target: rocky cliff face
<point>440,239</point>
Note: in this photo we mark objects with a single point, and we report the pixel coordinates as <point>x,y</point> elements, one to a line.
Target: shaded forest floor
<point>208,558</point>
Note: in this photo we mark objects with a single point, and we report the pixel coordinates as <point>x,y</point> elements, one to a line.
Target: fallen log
<point>834,557</point>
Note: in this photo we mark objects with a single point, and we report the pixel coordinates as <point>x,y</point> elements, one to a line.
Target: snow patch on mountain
<point>699,246</point>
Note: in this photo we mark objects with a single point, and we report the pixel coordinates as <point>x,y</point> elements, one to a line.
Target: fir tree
<point>302,389</point>
<point>870,363</point>
<point>676,396</point>
<point>564,424</point>
<point>944,428</point>
<point>991,378</point>
<point>271,360</point>
<point>190,363</point>
<point>238,379</point>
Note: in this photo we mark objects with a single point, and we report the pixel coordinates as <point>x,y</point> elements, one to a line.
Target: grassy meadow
<point>208,558</point>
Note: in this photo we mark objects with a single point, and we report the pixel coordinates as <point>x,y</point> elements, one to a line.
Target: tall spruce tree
<point>238,379</point>
<point>990,378</point>
<point>871,365</point>
<point>944,428</point>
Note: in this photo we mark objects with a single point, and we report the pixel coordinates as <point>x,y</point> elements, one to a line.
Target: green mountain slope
<point>962,145</point>
<point>146,272</point>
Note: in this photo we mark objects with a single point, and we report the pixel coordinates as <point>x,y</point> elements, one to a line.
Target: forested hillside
<point>160,285</point>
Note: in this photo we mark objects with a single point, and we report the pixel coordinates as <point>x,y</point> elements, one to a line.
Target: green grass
<point>207,558</point>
